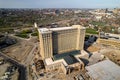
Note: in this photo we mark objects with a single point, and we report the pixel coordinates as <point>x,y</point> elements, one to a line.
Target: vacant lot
<point>114,56</point>
<point>3,68</point>
<point>93,48</point>
<point>20,50</point>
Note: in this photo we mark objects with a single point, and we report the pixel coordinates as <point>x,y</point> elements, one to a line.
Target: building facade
<point>60,40</point>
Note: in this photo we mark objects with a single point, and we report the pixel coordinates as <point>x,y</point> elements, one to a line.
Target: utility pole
<point>98,41</point>
<point>99,30</point>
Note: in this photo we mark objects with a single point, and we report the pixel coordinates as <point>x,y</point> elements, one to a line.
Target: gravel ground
<point>3,68</point>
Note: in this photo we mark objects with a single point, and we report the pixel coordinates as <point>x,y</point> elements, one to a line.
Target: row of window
<point>55,66</point>
<point>47,47</point>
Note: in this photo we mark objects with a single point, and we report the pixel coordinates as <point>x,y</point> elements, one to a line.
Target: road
<point>30,55</point>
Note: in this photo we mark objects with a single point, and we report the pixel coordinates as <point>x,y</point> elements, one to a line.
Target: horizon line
<point>60,8</point>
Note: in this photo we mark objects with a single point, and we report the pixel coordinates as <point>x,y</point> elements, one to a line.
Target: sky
<point>59,3</point>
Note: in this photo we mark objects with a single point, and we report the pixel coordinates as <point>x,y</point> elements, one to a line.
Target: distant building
<point>35,25</point>
<point>98,18</point>
<point>110,36</point>
<point>57,11</point>
<point>119,30</point>
<point>77,11</point>
<point>60,40</point>
<point>116,11</point>
<point>101,12</point>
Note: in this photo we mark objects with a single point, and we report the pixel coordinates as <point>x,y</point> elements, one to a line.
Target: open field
<point>91,31</point>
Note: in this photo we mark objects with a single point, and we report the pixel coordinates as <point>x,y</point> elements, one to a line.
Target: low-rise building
<point>104,70</point>
<point>66,63</point>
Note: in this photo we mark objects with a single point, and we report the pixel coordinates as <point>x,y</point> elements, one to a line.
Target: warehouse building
<point>104,70</point>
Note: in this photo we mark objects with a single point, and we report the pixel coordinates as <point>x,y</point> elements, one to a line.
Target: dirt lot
<point>3,68</point>
<point>93,48</point>
<point>114,56</point>
<point>20,50</point>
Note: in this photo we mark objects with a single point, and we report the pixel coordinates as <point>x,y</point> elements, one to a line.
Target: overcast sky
<point>59,3</point>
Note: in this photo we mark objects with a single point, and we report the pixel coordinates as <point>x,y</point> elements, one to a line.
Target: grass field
<point>91,31</point>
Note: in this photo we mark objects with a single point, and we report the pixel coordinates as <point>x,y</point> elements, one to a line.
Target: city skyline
<point>59,4</point>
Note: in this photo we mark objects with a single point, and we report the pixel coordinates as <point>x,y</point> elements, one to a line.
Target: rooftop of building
<point>62,55</point>
<point>105,70</point>
<point>46,30</point>
<point>68,57</point>
<point>61,28</point>
<point>50,61</point>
